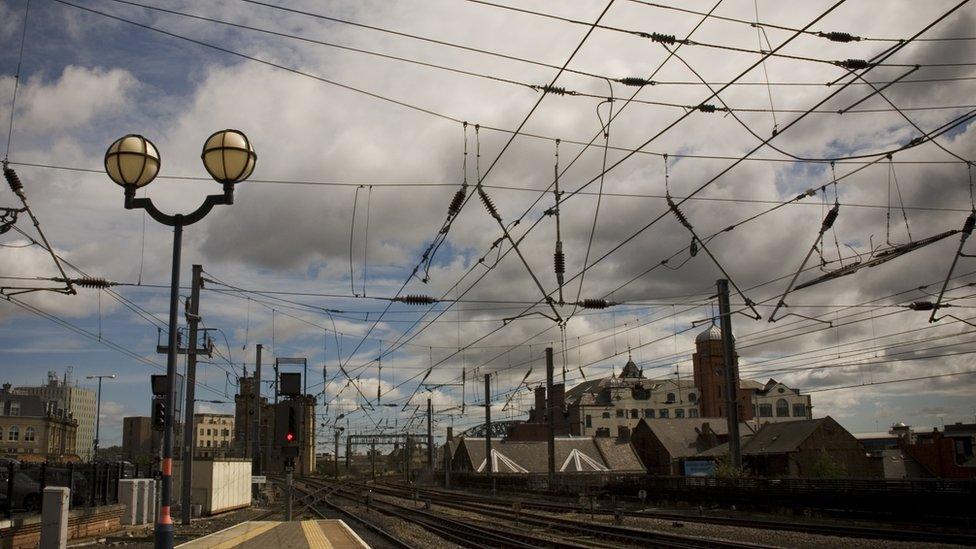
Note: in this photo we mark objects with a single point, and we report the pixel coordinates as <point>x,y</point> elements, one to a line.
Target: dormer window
<point>670,398</point>
<point>692,397</point>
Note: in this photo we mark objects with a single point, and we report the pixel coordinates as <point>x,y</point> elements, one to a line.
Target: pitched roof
<point>588,386</point>
<point>572,455</point>
<point>680,436</point>
<point>619,456</point>
<point>782,438</point>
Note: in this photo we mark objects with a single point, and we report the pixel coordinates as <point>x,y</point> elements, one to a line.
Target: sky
<point>368,116</point>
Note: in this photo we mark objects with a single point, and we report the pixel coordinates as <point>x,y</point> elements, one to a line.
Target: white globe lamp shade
<point>132,161</point>
<point>228,156</point>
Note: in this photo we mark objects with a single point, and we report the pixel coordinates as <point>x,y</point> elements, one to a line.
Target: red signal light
<point>290,437</point>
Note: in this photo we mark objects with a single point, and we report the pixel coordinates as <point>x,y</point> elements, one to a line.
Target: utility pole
<point>256,465</point>
<point>406,458</point>
<point>731,375</point>
<point>193,319</point>
<point>430,437</point>
<point>488,468</point>
<point>550,419</point>
<point>336,472</point>
<point>372,458</point>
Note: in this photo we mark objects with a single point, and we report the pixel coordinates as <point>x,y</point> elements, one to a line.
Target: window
<point>225,432</point>
<point>634,414</point>
<point>29,434</point>
<point>765,410</point>
<point>606,415</point>
<point>692,412</point>
<point>208,443</point>
<point>589,421</point>
<point>15,407</point>
<point>782,408</point>
<point>799,410</point>
<point>692,397</point>
<point>649,412</point>
<point>620,413</point>
<point>14,433</point>
<point>670,398</point>
<point>201,431</point>
<point>663,414</point>
<point>208,432</point>
<point>679,412</point>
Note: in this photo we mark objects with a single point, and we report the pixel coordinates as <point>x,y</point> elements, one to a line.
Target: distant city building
<point>271,460</point>
<point>774,402</point>
<point>33,429</point>
<point>76,401</point>
<point>214,434</point>
<point>138,439</point>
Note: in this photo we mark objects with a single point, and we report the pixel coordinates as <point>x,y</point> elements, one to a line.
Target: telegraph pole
<point>488,468</point>
<point>372,458</point>
<point>550,419</point>
<point>336,473</point>
<point>189,430</point>
<point>256,421</point>
<point>430,437</point>
<point>731,375</point>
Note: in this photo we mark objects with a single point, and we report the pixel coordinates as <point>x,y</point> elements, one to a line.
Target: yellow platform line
<point>258,529</point>
<point>315,536</point>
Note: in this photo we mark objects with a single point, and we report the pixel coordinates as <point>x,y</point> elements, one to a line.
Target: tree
<point>827,467</point>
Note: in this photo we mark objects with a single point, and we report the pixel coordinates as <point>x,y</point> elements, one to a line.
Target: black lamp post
<point>133,162</point>
<point>98,411</point>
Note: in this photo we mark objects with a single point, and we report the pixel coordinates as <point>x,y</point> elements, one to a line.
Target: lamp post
<point>132,162</point>
<point>98,411</point>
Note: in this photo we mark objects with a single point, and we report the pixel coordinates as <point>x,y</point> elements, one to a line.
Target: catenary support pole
<point>550,420</point>
<point>430,437</point>
<point>731,374</point>
<point>163,535</point>
<point>189,429</point>
<point>336,472</point>
<point>488,460</point>
<point>256,465</point>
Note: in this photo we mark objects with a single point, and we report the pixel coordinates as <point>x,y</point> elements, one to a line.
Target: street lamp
<point>133,162</point>
<point>98,410</point>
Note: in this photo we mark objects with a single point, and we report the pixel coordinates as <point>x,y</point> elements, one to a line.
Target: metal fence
<point>91,484</point>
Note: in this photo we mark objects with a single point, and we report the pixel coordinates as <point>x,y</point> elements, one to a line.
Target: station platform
<point>265,534</point>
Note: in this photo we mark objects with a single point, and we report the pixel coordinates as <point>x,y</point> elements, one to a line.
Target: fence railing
<point>91,484</point>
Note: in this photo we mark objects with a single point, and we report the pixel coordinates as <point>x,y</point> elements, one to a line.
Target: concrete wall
<point>219,485</point>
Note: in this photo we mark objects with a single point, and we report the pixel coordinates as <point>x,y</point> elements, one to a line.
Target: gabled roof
<point>588,386</point>
<point>572,455</point>
<point>619,456</point>
<point>782,438</point>
<point>680,436</point>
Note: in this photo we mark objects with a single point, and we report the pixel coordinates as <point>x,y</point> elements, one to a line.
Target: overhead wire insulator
<point>555,90</point>
<point>489,205</point>
<point>635,81</point>
<point>595,304</point>
<point>831,216</point>
<point>706,107</point>
<point>559,262</point>
<point>693,248</point>
<point>456,202</point>
<point>677,213</point>
<point>668,39</point>
<point>13,180</point>
<point>92,282</point>
<point>834,36</point>
<point>853,64</point>
<point>414,299</point>
<point>923,306</point>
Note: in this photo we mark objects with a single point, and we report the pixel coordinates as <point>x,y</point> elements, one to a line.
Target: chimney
<point>540,404</point>
<point>623,433</point>
<point>559,397</point>
<point>450,433</point>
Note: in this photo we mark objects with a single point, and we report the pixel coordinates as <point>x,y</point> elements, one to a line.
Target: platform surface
<point>310,534</point>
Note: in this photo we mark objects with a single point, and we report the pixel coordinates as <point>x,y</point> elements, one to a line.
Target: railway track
<point>503,529</point>
<point>312,498</point>
<point>847,531</point>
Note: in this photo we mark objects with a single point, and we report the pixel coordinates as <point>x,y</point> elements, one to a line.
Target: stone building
<point>139,441</point>
<point>34,429</point>
<point>614,405</point>
<point>213,434</point>
<point>76,401</point>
